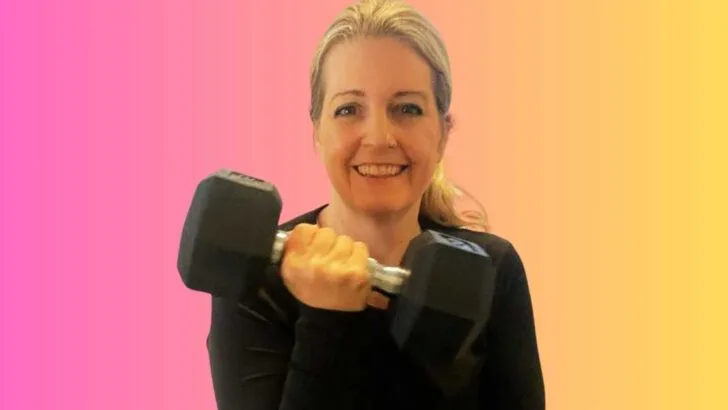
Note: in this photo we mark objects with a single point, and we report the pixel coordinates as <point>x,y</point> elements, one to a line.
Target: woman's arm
<point>512,378</point>
<point>259,362</point>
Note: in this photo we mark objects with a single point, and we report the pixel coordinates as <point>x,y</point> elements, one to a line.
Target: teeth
<point>379,170</point>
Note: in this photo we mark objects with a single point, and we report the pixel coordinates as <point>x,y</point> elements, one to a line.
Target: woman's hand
<point>326,271</point>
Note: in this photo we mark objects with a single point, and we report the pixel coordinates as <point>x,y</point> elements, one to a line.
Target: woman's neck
<point>387,238</point>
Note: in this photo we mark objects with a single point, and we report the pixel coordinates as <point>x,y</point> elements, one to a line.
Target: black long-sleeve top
<point>269,352</point>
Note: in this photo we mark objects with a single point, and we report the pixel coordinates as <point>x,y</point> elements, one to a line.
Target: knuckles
<point>302,230</point>
<point>319,270</point>
<point>307,269</point>
<point>326,231</point>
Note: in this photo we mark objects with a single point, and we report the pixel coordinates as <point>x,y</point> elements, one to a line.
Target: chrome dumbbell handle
<point>386,278</point>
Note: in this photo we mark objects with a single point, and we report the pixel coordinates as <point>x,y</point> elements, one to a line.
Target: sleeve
<point>512,377</point>
<point>259,362</point>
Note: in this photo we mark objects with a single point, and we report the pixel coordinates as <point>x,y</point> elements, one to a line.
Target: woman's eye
<point>345,111</point>
<point>410,109</point>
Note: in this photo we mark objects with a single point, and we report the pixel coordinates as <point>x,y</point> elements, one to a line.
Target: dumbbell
<point>441,295</point>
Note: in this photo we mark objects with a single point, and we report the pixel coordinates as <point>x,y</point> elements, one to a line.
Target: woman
<point>315,336</point>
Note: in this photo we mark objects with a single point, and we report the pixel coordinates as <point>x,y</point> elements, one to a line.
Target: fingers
<point>341,250</point>
<point>298,243</point>
<point>307,244</point>
<point>323,242</point>
<point>358,266</point>
<point>325,270</point>
<point>311,240</point>
<point>359,254</point>
<point>340,257</point>
<point>300,238</point>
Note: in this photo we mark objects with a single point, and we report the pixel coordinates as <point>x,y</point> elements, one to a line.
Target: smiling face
<point>379,135</point>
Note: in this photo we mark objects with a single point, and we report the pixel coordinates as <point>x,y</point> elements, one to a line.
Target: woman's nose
<point>379,131</point>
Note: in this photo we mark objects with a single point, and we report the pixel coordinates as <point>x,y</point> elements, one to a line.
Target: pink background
<point>591,131</point>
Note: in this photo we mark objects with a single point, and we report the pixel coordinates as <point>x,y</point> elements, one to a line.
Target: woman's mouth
<point>380,170</point>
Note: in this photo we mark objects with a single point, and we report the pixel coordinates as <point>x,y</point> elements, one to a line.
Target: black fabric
<point>268,352</point>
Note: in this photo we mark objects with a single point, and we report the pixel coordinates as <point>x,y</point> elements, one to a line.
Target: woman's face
<point>380,135</point>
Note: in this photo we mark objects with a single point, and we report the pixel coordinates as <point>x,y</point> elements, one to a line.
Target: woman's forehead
<point>375,65</point>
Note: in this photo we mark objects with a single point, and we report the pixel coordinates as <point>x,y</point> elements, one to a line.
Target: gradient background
<point>593,131</point>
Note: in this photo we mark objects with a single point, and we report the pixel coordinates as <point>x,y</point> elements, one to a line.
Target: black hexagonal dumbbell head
<point>445,303</point>
<point>228,234</point>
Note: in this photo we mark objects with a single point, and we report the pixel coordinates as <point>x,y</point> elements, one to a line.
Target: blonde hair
<point>394,18</point>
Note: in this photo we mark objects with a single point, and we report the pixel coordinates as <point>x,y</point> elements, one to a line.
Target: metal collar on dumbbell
<point>386,278</point>
<point>278,245</point>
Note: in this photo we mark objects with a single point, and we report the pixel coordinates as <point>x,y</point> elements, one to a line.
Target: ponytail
<point>438,204</point>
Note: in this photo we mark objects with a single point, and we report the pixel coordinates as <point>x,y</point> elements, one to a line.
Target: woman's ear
<point>316,141</point>
<point>448,125</point>
<point>446,130</point>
